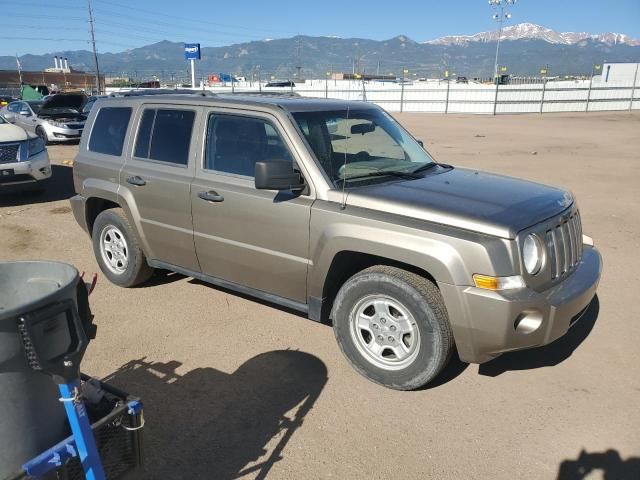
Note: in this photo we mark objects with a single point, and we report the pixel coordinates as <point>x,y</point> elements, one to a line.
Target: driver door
<point>252,238</point>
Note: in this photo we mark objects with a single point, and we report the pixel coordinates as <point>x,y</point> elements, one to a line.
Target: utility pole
<point>500,16</point>
<point>93,43</point>
<point>298,55</point>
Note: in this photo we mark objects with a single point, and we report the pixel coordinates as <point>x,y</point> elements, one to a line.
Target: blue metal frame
<point>81,444</point>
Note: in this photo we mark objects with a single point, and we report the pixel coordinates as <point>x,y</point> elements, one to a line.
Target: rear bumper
<point>78,207</point>
<point>488,323</point>
<point>35,169</point>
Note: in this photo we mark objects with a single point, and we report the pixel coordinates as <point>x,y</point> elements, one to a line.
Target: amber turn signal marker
<point>485,281</point>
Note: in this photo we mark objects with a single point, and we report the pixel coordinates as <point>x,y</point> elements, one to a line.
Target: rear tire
<point>117,250</point>
<point>392,326</point>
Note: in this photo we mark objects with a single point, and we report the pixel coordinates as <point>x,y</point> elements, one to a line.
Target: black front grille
<point>75,126</point>
<point>9,152</point>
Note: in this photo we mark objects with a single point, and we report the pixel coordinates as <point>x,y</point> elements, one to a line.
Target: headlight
<point>57,124</point>
<point>532,254</point>
<point>36,145</point>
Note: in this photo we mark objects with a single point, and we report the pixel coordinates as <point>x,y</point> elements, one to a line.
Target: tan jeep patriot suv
<point>333,209</point>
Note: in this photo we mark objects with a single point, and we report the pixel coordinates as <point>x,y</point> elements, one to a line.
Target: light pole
<point>500,16</point>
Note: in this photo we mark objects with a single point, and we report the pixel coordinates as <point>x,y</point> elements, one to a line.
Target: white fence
<point>449,97</point>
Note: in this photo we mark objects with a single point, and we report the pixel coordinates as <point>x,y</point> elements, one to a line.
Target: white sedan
<point>23,158</point>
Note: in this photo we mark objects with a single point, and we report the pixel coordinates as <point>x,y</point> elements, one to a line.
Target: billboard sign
<point>192,51</point>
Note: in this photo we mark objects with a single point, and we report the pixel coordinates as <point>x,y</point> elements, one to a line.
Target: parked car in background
<point>59,118</point>
<point>332,208</point>
<point>23,158</point>
<point>90,102</point>
<point>5,100</point>
<point>281,83</point>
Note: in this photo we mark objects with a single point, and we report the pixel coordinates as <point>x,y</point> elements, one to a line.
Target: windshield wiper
<point>384,173</point>
<point>429,166</point>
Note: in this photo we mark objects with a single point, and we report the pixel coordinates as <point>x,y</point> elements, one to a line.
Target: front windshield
<point>357,144</point>
<point>88,105</point>
<point>35,106</point>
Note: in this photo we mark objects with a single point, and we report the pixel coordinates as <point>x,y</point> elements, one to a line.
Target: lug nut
<point>383,320</point>
<point>381,338</point>
<point>390,339</point>
<point>392,328</point>
<point>375,326</point>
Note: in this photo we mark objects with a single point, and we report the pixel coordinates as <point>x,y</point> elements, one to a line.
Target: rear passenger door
<point>254,238</point>
<point>158,175</point>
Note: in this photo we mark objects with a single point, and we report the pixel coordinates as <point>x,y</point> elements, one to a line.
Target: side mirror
<point>277,175</point>
<point>24,113</point>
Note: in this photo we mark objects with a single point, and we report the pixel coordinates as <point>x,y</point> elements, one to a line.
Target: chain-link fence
<point>531,95</point>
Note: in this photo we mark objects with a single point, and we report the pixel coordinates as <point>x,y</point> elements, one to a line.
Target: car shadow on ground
<point>548,355</point>
<point>206,423</point>
<point>609,463</point>
<point>60,187</point>
<point>453,369</point>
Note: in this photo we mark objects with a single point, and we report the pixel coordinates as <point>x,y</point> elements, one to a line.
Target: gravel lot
<point>234,388</point>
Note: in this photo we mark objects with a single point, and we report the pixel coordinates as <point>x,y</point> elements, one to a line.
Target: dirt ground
<point>234,388</point>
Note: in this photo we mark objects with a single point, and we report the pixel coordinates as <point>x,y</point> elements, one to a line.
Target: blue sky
<point>37,26</point>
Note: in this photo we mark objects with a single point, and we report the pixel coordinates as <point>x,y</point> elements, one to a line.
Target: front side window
<point>14,107</point>
<point>353,145</point>
<point>109,130</point>
<point>235,144</point>
<point>165,135</point>
<point>35,106</point>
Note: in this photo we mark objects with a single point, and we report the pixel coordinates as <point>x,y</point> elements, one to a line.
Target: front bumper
<point>59,134</point>
<point>35,169</point>
<point>488,323</point>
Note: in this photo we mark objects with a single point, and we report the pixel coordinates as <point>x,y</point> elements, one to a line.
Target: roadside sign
<point>543,71</point>
<point>503,69</point>
<point>406,70</point>
<point>446,74</point>
<point>597,67</point>
<point>192,51</point>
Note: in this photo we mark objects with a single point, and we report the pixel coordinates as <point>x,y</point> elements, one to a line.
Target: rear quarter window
<point>109,130</point>
<point>164,135</point>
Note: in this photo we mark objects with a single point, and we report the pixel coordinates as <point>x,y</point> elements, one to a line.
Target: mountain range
<point>524,50</point>
<point>531,31</point>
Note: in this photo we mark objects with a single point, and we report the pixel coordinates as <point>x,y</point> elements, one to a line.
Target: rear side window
<point>109,130</point>
<point>165,135</point>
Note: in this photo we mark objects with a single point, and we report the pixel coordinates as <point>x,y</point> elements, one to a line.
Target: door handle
<point>136,180</point>
<point>211,196</point>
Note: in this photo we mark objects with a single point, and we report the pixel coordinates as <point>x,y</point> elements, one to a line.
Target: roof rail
<point>162,91</point>
<point>263,93</point>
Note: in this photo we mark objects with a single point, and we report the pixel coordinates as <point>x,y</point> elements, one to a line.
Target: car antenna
<point>344,167</point>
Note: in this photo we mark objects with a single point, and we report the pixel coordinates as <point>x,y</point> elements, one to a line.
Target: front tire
<point>392,326</point>
<point>117,250</point>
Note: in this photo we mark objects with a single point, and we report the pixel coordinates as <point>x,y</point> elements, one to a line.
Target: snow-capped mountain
<point>532,31</point>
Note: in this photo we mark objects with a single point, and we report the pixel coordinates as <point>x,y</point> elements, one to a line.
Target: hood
<point>483,202</point>
<point>12,133</point>
<point>65,100</point>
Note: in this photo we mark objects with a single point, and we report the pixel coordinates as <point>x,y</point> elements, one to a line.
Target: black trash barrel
<point>32,419</point>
